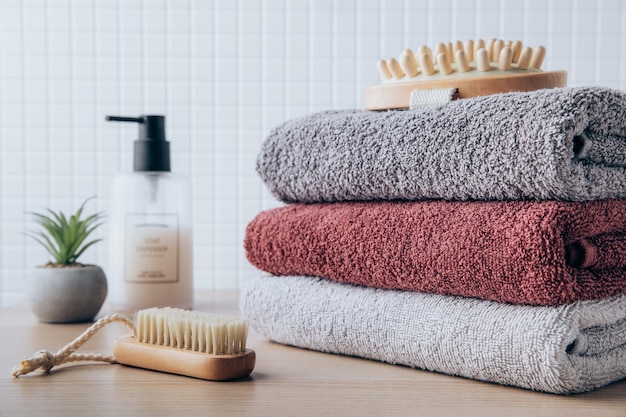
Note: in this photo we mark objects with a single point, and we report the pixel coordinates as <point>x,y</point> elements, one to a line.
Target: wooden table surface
<point>286,382</point>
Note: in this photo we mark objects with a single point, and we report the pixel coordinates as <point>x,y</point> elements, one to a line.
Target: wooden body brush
<point>471,68</point>
<point>183,342</point>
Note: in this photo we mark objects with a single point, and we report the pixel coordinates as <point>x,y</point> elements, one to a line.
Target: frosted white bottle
<point>150,238</point>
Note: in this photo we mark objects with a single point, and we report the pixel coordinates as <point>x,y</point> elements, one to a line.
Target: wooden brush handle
<point>396,95</point>
<point>129,351</point>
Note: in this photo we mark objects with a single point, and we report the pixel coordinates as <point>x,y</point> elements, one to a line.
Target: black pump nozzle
<point>152,151</point>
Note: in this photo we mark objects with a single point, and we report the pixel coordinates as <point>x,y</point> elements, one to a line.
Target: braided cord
<point>47,360</point>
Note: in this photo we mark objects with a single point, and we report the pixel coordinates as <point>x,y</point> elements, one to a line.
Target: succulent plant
<point>65,238</point>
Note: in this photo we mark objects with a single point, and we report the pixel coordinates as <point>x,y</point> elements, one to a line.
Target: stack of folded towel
<point>485,238</point>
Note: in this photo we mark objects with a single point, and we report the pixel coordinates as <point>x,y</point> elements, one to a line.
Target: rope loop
<point>45,360</point>
<point>42,359</point>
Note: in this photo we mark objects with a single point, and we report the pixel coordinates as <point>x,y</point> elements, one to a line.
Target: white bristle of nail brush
<point>191,330</point>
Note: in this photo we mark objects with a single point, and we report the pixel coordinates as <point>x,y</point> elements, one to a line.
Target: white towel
<point>564,349</point>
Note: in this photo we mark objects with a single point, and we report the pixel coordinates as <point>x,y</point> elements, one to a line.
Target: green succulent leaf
<point>84,248</point>
<point>62,237</point>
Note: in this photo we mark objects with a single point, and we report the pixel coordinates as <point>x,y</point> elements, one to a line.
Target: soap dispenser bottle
<point>150,253</point>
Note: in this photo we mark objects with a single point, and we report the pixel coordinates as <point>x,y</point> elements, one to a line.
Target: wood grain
<point>396,95</point>
<point>285,382</point>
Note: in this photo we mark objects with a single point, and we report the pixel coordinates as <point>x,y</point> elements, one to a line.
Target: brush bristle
<point>191,330</point>
<point>475,56</point>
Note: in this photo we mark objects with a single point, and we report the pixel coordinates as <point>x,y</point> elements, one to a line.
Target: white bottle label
<point>152,244</point>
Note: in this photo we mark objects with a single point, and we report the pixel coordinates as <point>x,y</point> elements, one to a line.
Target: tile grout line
<point>25,125</point>
<point>286,61</point>
<point>120,90</point>
<point>311,45</point>
<point>597,44</point>
<point>454,23</point>
<point>72,103</point>
<point>96,76</point>
<point>48,106</point>
<point>477,31</point>
<point>214,147</point>
<point>333,56</point>
<point>238,117</point>
<point>192,122</point>
<point>573,46</point>
<point>24,129</point>
<point>622,41</point>
<point>144,58</point>
<point>238,147</point>
<point>549,43</point>
<point>168,61</point>
<point>358,56</point>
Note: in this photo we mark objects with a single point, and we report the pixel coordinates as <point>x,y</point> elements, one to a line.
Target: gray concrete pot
<point>67,295</point>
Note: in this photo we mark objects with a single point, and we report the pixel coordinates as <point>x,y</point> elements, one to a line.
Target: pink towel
<point>523,252</point>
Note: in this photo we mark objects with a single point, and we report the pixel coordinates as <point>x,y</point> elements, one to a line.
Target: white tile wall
<point>224,72</point>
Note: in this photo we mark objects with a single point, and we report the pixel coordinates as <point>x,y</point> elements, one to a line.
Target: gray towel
<point>559,144</point>
<point>565,349</point>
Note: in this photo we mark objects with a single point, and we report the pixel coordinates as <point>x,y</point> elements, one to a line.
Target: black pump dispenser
<point>152,151</point>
